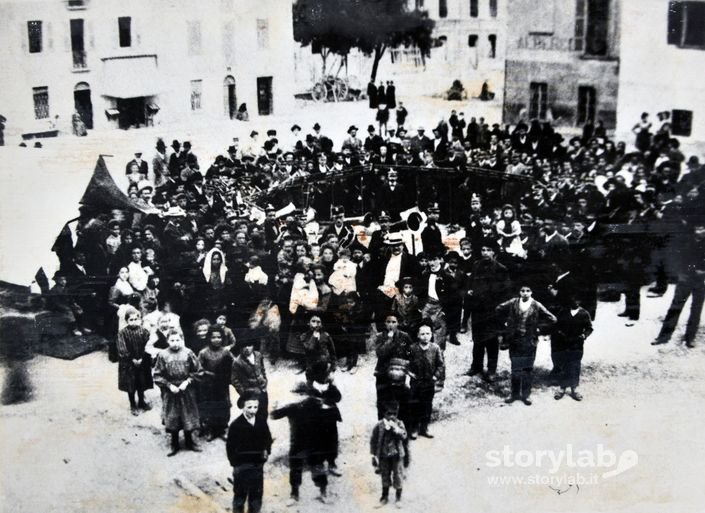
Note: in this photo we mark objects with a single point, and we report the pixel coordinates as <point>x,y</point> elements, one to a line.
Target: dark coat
<point>248,444</point>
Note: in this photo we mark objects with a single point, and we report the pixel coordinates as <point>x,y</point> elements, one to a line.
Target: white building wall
<point>655,76</point>
<point>159,27</point>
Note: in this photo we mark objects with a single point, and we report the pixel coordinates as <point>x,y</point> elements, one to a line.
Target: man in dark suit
<point>392,196</point>
<point>440,146</point>
<point>391,267</point>
<point>520,140</point>
<point>339,228</point>
<point>142,166</point>
<point>431,234</point>
<point>420,142</point>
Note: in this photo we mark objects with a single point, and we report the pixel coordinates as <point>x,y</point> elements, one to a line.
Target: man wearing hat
<point>431,235</point>
<point>377,238</point>
<point>434,295</point>
<point>340,228</point>
<point>248,445</point>
<point>352,142</point>
<point>393,197</point>
<point>391,269</point>
<point>372,141</point>
<point>420,142</point>
<point>142,167</point>
<point>188,158</point>
<point>488,286</point>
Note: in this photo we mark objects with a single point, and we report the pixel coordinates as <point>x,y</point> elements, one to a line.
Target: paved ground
<point>77,448</point>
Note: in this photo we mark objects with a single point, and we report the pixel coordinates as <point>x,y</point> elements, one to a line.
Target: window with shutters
<point>681,122</point>
<point>41,102</point>
<point>196,93</point>
<point>592,27</point>
<point>193,31</point>
<point>419,4</point>
<point>474,8</point>
<point>442,8</point>
<point>492,38</point>
<point>493,8</point>
<point>538,104</point>
<point>34,33</point>
<point>125,31</point>
<point>686,24</point>
<point>586,105</point>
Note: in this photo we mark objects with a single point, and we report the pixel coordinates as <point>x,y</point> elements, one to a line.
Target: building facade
<point>669,83</point>
<point>132,63</point>
<point>562,61</point>
<point>470,40</point>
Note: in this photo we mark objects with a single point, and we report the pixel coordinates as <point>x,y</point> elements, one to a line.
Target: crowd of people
<point>314,251</point>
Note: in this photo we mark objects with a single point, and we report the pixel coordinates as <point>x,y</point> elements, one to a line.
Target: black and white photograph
<point>352,255</point>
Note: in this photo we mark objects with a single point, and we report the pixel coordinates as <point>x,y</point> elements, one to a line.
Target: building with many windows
<point>133,63</point>
<point>669,83</point>
<point>562,61</point>
<point>470,38</point>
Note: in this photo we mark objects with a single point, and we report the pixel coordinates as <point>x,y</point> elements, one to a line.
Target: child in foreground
<point>390,452</point>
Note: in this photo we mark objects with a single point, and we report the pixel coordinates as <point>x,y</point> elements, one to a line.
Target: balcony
<point>80,61</point>
<point>76,5</point>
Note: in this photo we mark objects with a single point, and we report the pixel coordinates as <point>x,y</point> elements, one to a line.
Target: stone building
<point>132,63</point>
<point>562,61</point>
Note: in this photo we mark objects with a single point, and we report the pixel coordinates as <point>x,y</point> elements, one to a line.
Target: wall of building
<point>229,46</point>
<point>453,60</point>
<point>655,76</point>
<point>542,47</point>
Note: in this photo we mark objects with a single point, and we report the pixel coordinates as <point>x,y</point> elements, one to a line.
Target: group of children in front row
<point>195,396</point>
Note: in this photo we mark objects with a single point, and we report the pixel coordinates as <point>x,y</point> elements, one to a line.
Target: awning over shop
<point>130,76</point>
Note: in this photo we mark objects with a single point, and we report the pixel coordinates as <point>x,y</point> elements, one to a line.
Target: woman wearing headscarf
<point>216,284</point>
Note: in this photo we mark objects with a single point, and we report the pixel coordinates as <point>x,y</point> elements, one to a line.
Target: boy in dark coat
<point>427,370</point>
<point>248,445</point>
<point>390,451</point>
<point>569,333</point>
<point>306,447</point>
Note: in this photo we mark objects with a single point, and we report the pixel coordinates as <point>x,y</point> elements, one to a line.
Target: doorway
<point>82,103</point>
<point>132,112</point>
<point>264,96</point>
<point>230,97</point>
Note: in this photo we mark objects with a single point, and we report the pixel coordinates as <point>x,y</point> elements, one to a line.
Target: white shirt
<point>524,305</point>
<point>391,276</point>
<point>432,293</point>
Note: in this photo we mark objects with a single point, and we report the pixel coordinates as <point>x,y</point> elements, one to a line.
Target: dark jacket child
<point>320,352</point>
<point>349,330</point>
<point>248,445</point>
<point>390,451</point>
<point>134,363</point>
<point>427,370</point>
<point>306,447</point>
<point>393,348</point>
<point>214,387</point>
<point>521,320</point>
<point>569,333</point>
<point>330,416</point>
<point>406,306</point>
<point>174,372</point>
<point>248,374</point>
